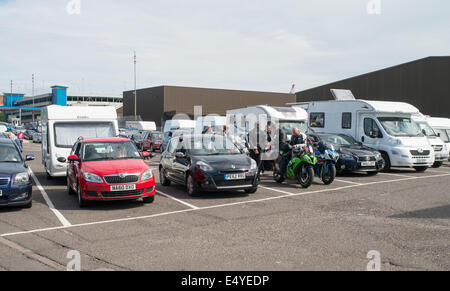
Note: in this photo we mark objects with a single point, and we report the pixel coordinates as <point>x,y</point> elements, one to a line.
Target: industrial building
<point>164,102</point>
<point>424,83</point>
<point>22,107</point>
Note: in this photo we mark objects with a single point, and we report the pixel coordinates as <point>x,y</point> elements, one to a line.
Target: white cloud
<point>253,44</point>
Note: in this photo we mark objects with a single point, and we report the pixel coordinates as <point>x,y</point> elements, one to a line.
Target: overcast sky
<point>233,44</point>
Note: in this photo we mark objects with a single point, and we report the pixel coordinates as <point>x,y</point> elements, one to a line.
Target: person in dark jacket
<point>298,138</point>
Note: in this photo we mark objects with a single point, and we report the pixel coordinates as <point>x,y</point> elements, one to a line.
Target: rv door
<point>369,131</point>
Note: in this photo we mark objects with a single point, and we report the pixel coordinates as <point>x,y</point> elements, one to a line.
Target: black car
<point>207,163</point>
<point>28,134</point>
<point>353,156</point>
<point>15,181</point>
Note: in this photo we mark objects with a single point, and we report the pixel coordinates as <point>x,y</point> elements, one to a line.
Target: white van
<point>441,153</point>
<point>63,125</point>
<point>140,126</point>
<point>442,127</point>
<point>183,124</point>
<point>385,126</point>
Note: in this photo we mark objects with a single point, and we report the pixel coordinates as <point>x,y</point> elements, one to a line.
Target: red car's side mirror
<point>73,158</point>
<point>146,155</point>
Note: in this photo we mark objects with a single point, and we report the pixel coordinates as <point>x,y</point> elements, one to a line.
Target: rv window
<point>346,120</point>
<point>371,127</point>
<point>67,133</point>
<point>317,119</point>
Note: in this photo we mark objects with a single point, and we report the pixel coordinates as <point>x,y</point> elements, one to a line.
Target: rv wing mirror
<point>61,159</point>
<point>439,134</point>
<point>29,158</point>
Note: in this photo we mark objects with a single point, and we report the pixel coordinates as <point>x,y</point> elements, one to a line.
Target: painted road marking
<point>49,202</point>
<point>215,206</point>
<point>177,200</point>
<point>350,182</point>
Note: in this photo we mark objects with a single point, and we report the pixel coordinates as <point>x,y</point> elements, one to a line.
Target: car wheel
<point>437,164</point>
<point>69,189</point>
<point>28,205</point>
<point>191,186</point>
<point>251,191</point>
<point>81,202</point>
<point>148,199</point>
<point>421,169</point>
<point>162,178</point>
<point>387,162</point>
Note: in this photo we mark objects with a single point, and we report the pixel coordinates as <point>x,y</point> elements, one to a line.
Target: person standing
<point>20,138</point>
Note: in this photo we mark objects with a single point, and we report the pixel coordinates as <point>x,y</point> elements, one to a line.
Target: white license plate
<point>123,187</point>
<point>367,164</point>
<point>1,193</point>
<point>240,176</point>
<point>421,161</point>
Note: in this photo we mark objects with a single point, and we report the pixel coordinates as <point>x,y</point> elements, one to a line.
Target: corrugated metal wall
<point>423,83</point>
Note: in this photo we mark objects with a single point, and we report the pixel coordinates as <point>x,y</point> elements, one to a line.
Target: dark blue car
<point>15,180</point>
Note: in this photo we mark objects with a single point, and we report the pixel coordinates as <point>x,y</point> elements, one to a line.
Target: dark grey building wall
<point>161,103</point>
<point>150,104</point>
<point>424,83</point>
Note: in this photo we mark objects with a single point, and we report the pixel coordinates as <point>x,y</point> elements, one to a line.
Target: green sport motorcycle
<point>300,167</point>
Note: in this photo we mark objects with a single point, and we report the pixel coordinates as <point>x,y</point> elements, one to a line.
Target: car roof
<point>105,139</point>
<point>5,140</point>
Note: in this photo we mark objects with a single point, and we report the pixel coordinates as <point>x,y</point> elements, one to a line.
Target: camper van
<point>242,121</point>
<point>215,122</point>
<point>62,126</point>
<point>183,124</point>
<point>287,117</point>
<point>140,126</point>
<point>385,126</point>
<point>441,153</point>
<point>442,128</point>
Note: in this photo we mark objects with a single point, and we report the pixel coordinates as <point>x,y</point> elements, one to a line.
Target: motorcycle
<point>325,168</point>
<point>300,167</point>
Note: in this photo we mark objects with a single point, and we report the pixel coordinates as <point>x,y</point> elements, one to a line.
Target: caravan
<point>62,126</point>
<point>441,152</point>
<point>442,128</point>
<point>385,126</point>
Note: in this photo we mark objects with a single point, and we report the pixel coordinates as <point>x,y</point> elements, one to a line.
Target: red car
<point>109,169</point>
<point>152,141</point>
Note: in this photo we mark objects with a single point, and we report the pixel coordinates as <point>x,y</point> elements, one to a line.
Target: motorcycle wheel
<point>305,176</point>
<point>328,178</point>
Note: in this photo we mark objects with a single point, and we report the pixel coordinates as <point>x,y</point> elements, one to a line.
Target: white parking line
<point>49,202</point>
<point>435,171</point>
<point>216,206</point>
<point>177,200</point>
<point>350,182</point>
<point>276,190</point>
<point>391,174</point>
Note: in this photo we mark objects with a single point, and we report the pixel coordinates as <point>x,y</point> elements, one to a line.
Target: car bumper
<point>353,166</point>
<point>102,192</point>
<point>16,195</point>
<point>217,182</point>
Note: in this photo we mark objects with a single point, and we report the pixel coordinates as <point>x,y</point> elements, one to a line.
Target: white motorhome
<point>385,126</point>
<point>183,124</point>
<point>63,125</point>
<point>442,127</point>
<point>140,126</point>
<point>215,122</point>
<point>241,121</point>
<point>287,117</point>
<point>441,153</point>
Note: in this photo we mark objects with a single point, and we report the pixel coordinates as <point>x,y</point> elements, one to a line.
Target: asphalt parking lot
<point>403,215</point>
